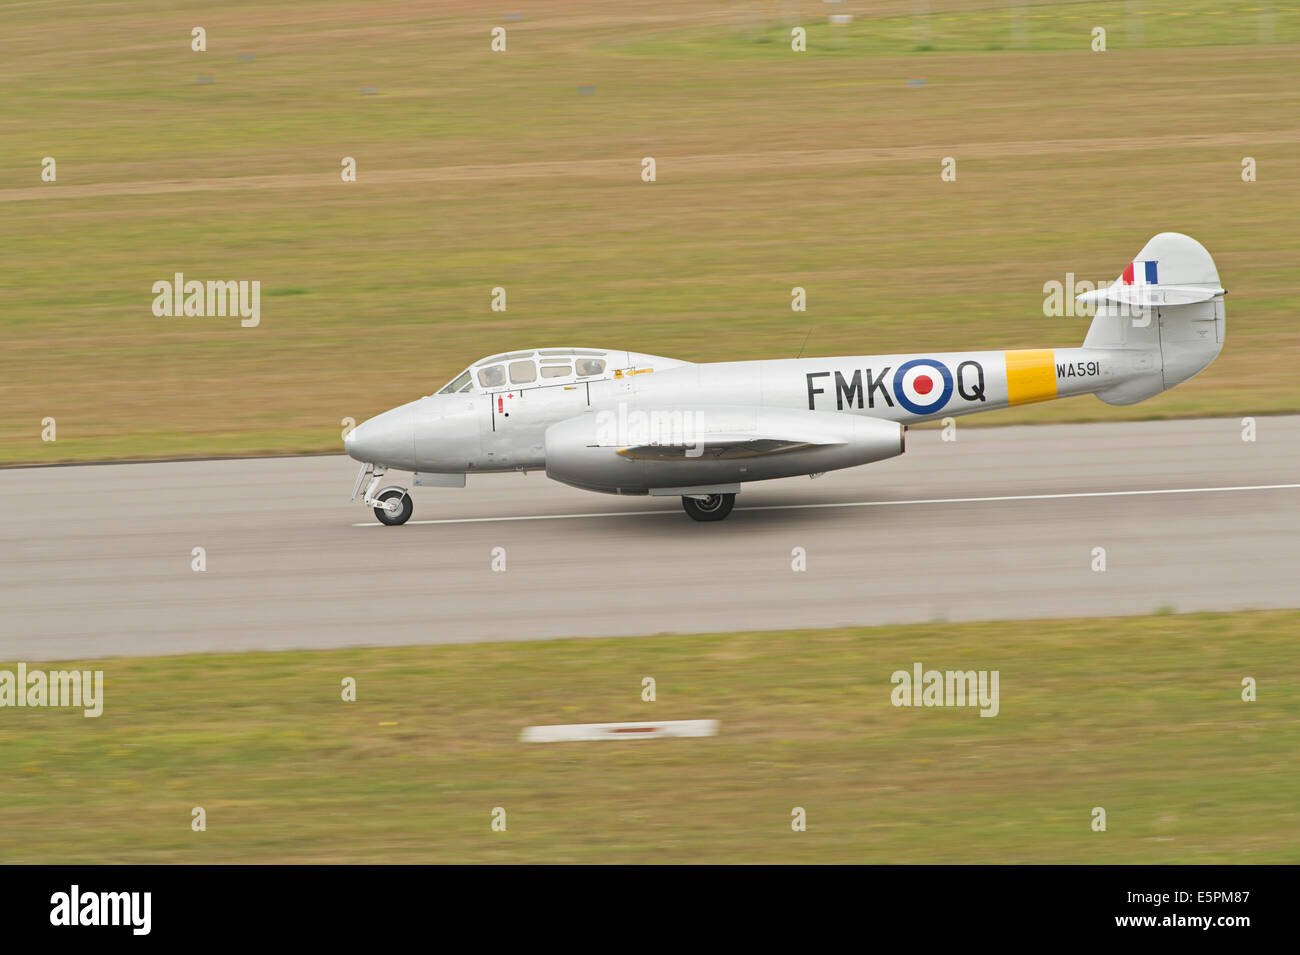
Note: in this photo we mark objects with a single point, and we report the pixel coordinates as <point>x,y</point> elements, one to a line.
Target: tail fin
<point>1167,309</point>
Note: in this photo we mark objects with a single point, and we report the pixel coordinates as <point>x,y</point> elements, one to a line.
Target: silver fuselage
<point>504,429</point>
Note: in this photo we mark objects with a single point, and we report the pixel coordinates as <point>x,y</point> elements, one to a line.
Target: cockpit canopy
<point>533,367</point>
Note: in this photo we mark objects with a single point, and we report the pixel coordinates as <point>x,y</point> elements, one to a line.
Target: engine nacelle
<point>634,450</point>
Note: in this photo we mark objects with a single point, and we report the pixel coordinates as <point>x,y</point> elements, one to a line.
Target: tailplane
<point>1165,311</point>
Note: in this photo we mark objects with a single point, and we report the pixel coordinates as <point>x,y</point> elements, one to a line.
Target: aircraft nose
<point>387,439</point>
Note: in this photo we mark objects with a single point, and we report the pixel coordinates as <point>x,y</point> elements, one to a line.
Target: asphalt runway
<point>1001,523</point>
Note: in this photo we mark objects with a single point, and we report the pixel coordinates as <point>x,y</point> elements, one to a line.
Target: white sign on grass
<point>585,731</point>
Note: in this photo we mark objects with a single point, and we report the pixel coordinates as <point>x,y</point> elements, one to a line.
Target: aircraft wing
<point>625,447</point>
<point>723,433</point>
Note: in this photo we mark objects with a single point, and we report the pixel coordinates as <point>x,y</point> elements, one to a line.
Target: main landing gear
<point>712,507</point>
<point>393,504</point>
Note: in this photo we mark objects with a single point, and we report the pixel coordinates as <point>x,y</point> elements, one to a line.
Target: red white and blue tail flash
<point>1140,273</point>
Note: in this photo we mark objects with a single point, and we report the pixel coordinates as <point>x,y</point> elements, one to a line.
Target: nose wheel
<point>394,506</point>
<point>714,507</point>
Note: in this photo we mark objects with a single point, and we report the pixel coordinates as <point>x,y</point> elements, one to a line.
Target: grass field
<point>1140,716</point>
<point>480,169</point>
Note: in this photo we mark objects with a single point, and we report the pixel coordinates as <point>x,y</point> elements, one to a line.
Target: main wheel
<point>395,506</point>
<point>712,508</point>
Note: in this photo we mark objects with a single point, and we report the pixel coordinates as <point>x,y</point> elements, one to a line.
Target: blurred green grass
<point>1142,716</point>
<point>392,279</point>
<point>938,27</point>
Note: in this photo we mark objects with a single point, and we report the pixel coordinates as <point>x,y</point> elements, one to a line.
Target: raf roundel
<point>923,385</point>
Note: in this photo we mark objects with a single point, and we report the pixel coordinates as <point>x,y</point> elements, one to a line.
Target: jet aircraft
<point>623,422</point>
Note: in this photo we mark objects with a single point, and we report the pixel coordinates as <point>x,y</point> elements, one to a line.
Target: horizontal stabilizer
<point>1147,296</point>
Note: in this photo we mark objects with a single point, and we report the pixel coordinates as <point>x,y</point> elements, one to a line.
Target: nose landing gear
<point>393,505</point>
<point>712,507</point>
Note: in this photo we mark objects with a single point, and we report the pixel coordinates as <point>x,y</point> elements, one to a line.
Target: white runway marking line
<point>799,507</point>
